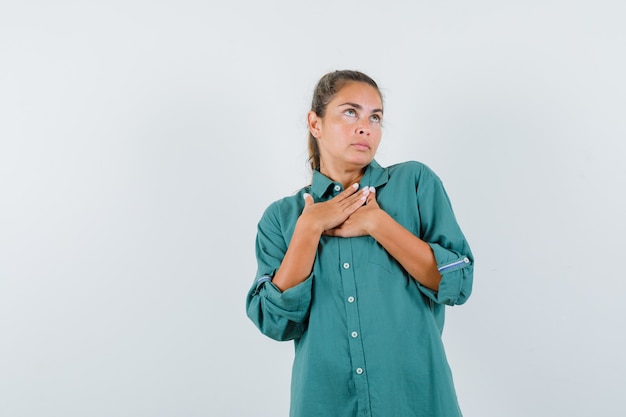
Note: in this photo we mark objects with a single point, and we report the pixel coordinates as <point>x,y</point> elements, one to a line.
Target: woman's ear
<point>315,124</point>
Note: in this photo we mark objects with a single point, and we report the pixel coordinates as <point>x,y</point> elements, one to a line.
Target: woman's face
<point>349,133</point>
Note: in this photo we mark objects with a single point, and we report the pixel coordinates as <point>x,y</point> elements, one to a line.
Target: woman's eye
<point>350,112</point>
<point>375,118</point>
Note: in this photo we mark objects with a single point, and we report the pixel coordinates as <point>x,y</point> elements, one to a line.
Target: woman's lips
<point>361,146</point>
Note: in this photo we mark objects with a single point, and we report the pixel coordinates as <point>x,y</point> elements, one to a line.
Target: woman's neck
<point>344,176</point>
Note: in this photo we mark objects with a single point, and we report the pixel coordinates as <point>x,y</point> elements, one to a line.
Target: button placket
<point>353,321</point>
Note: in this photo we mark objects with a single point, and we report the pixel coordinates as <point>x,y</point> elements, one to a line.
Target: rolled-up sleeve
<point>278,315</point>
<point>441,231</point>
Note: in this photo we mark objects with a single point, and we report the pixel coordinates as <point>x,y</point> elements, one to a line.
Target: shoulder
<point>416,170</point>
<point>286,208</point>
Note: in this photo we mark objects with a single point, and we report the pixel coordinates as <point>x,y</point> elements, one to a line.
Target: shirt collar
<point>374,176</point>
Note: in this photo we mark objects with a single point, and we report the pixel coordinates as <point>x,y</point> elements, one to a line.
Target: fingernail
<point>356,185</point>
<point>304,195</point>
<point>372,190</point>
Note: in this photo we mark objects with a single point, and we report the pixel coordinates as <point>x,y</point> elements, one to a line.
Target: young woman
<point>357,268</point>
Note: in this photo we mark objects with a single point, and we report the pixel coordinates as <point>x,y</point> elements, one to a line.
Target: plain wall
<point>140,142</point>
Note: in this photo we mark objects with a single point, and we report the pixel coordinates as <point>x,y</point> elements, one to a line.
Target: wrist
<point>308,226</point>
<point>377,222</point>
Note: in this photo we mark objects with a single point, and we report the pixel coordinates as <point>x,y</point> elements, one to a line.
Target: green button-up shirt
<point>367,335</point>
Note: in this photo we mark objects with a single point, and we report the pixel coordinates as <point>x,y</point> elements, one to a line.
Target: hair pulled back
<point>325,90</point>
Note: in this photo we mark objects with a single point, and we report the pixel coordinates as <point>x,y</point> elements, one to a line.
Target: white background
<point>140,142</point>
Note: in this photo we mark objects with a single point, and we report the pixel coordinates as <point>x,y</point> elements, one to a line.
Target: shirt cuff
<point>290,299</point>
<point>456,276</point>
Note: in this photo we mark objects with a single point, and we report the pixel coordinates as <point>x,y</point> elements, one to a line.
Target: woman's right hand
<point>316,218</point>
<point>332,213</point>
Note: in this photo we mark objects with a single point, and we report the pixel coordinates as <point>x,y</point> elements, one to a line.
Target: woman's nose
<point>362,128</point>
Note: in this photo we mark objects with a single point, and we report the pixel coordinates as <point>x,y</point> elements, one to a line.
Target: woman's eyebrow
<point>359,107</point>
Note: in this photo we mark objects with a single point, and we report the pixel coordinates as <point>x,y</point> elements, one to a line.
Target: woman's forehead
<point>360,92</point>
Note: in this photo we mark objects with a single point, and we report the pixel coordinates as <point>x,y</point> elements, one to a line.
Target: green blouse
<point>367,335</point>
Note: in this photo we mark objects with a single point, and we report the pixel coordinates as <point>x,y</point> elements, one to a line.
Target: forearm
<point>411,252</point>
<point>299,258</point>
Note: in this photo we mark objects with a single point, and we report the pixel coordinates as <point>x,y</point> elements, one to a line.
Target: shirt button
<point>346,265</point>
<point>337,188</point>
<point>354,335</point>
<point>359,371</point>
<point>351,299</point>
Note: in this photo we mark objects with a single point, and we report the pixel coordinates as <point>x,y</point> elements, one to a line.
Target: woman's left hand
<point>360,222</point>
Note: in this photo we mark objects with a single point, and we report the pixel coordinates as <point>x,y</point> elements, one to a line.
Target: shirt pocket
<point>379,258</point>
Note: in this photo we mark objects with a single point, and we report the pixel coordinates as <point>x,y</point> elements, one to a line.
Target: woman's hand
<point>314,220</point>
<point>361,221</point>
<point>332,213</point>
